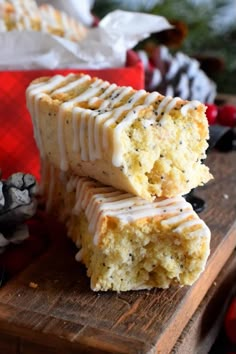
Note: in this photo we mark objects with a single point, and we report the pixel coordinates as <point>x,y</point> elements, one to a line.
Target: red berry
<point>230,321</point>
<point>151,66</point>
<point>227,115</point>
<point>211,113</point>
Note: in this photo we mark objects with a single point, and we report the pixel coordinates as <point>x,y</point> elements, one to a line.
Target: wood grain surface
<point>63,314</point>
<point>203,328</point>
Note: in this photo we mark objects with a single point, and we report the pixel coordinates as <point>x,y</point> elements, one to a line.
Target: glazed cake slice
<point>60,24</point>
<point>140,142</point>
<point>19,15</point>
<point>26,15</point>
<point>126,242</point>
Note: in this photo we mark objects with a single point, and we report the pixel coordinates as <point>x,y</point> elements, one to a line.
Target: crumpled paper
<point>104,47</point>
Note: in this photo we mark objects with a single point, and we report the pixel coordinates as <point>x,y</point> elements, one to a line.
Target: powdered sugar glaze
<point>97,201</point>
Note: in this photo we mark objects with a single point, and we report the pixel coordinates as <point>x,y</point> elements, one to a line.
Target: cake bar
<point>140,142</point>
<point>26,15</point>
<point>126,242</point>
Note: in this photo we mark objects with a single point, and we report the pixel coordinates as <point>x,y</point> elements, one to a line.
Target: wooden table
<point>62,315</point>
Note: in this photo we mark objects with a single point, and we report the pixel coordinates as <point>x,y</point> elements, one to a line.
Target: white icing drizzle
<point>91,91</point>
<point>203,232</point>
<point>178,218</point>
<point>190,105</point>
<point>97,201</point>
<point>34,93</point>
<point>80,117</point>
<point>81,182</point>
<point>76,128</point>
<point>170,201</point>
<point>82,135</point>
<point>71,184</point>
<point>90,202</point>
<point>93,100</point>
<point>105,104</point>
<point>82,185</point>
<point>108,91</point>
<point>61,139</point>
<point>91,145</point>
<point>117,112</point>
<point>189,224</point>
<point>151,98</point>
<point>98,133</point>
<point>79,255</point>
<point>137,96</point>
<point>171,104</point>
<point>166,101</point>
<point>87,122</point>
<point>119,94</point>
<point>72,85</point>
<point>45,18</point>
<point>99,198</point>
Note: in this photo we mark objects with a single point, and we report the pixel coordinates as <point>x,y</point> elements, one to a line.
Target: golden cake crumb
<point>33,285</point>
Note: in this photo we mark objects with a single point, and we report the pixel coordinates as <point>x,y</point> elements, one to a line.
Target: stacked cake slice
<point>26,15</point>
<point>114,164</point>
<point>19,15</point>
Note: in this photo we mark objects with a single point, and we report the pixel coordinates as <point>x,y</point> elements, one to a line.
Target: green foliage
<point>206,36</point>
<point>103,7</point>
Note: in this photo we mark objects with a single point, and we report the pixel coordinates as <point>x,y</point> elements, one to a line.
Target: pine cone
<point>176,75</point>
<point>17,204</point>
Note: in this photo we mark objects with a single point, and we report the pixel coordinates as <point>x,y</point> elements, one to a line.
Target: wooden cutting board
<point>62,315</point>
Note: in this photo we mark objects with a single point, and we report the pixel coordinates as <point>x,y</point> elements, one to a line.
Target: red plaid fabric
<point>18,152</point>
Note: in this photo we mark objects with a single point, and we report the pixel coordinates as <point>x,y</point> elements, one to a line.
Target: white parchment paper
<point>104,47</point>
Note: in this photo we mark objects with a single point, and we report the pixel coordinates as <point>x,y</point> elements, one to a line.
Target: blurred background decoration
<point>205,30</point>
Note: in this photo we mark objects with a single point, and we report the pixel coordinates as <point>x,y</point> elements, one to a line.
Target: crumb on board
<point>226,196</point>
<point>33,285</point>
